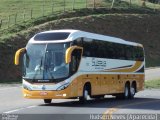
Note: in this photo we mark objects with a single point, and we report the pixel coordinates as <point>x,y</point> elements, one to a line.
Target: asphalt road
<point>152,73</point>
<point>12,102</point>
<point>15,107</point>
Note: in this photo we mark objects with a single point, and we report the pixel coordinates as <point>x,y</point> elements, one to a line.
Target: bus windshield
<point>45,61</point>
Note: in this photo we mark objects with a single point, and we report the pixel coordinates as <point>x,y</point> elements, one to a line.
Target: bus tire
<point>47,101</point>
<point>126,92</point>
<point>85,95</point>
<point>132,91</point>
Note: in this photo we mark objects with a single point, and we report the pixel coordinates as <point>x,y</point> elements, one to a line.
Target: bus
<point>66,64</point>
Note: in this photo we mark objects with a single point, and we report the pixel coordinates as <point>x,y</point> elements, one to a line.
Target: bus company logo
<point>99,63</point>
<point>43,87</point>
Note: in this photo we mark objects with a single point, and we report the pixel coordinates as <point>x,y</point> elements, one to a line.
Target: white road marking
<point>11,111</point>
<point>32,106</point>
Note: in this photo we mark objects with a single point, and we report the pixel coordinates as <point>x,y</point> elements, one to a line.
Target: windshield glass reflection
<point>46,61</point>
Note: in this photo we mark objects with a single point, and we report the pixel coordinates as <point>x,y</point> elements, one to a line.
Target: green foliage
<point>154,1</point>
<point>19,11</point>
<point>21,19</point>
<point>23,10</point>
<point>152,84</point>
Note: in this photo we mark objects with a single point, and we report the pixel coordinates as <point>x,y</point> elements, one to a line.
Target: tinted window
<point>78,42</point>
<point>138,54</point>
<point>89,47</point>
<point>51,36</point>
<point>103,49</point>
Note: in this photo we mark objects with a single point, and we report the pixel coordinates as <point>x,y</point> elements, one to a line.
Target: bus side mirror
<point>17,55</point>
<point>69,53</point>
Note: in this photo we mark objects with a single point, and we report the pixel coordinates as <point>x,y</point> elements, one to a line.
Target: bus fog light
<point>27,95</point>
<point>64,95</point>
<point>26,86</point>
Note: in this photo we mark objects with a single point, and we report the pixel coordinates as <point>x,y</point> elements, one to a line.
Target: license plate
<point>43,93</point>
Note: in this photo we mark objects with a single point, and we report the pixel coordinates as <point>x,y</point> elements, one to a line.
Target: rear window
<point>51,36</point>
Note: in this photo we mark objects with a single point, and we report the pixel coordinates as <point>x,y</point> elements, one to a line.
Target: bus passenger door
<point>74,66</point>
<point>75,61</point>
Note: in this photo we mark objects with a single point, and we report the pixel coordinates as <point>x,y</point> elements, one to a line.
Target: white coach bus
<point>63,64</point>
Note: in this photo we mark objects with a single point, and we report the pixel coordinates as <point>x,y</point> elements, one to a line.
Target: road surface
<point>152,73</point>
<point>13,103</point>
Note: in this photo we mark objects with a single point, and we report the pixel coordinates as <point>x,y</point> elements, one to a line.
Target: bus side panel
<point>107,84</point>
<point>140,82</point>
<point>94,81</point>
<point>74,88</point>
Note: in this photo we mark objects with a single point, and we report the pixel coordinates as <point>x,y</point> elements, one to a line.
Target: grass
<point>152,62</point>
<point>152,84</point>
<point>23,10</point>
<point>17,11</point>
<point>49,10</point>
<point>10,81</point>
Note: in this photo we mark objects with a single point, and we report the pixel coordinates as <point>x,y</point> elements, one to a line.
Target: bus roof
<point>74,34</point>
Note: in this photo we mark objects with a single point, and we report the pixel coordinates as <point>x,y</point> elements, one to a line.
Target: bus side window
<point>140,56</point>
<point>78,42</point>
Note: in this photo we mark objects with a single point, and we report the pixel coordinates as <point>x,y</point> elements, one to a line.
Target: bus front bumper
<point>62,94</point>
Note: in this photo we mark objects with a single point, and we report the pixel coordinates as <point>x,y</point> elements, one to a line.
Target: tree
<point>143,3</point>
<point>112,3</point>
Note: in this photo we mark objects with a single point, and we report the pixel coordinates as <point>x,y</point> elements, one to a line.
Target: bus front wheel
<point>85,96</point>
<point>47,101</point>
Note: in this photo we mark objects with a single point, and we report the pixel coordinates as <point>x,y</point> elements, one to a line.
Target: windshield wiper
<point>39,68</point>
<point>47,70</point>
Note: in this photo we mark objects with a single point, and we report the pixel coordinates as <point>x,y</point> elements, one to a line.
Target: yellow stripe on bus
<point>131,69</point>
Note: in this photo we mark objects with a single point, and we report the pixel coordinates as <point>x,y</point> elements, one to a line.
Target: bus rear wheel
<point>132,91</point>
<point>47,101</point>
<point>126,93</point>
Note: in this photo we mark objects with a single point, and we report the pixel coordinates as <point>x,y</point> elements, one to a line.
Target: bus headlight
<point>26,87</point>
<point>62,87</point>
